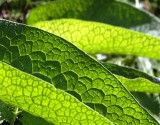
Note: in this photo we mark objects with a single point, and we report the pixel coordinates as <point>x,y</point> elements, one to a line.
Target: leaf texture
<point>107,11</point>
<point>57,61</point>
<point>133,79</point>
<point>139,85</point>
<point>101,38</point>
<point>95,37</point>
<point>90,40</point>
<point>43,99</point>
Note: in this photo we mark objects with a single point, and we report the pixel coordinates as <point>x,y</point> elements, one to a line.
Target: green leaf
<point>133,79</point>
<point>102,38</point>
<point>43,99</point>
<point>65,66</point>
<point>106,11</point>
<point>129,73</point>
<point>95,38</point>
<point>9,114</point>
<point>29,119</point>
<point>112,12</point>
<point>140,85</point>
<point>148,101</point>
<point>6,112</point>
<point>1,2</point>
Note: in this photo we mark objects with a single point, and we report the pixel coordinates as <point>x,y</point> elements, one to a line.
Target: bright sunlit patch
<point>101,56</point>
<point>138,4</point>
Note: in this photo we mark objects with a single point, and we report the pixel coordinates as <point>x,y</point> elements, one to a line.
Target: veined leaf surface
<point>95,37</point>
<point>133,79</point>
<point>43,99</point>
<point>106,11</point>
<point>90,39</point>
<point>65,66</point>
<point>102,38</point>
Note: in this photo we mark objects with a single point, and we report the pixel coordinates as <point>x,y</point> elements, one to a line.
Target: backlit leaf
<point>57,61</point>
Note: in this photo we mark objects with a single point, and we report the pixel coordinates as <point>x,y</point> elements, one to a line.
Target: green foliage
<point>105,11</point>
<point>66,67</point>
<point>2,1</point>
<point>57,83</point>
<point>135,80</point>
<point>93,37</point>
<point>28,119</point>
<point>43,99</point>
<point>6,112</point>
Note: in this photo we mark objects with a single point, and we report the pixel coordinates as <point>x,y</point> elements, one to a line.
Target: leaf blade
<point>43,99</point>
<point>70,69</point>
<point>133,79</point>
<point>110,12</point>
<point>96,38</point>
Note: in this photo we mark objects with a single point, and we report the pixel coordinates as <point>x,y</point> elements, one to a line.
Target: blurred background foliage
<point>17,10</point>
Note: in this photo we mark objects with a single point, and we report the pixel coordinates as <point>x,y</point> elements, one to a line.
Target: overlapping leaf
<point>106,11</point>
<point>135,80</point>
<point>101,38</point>
<point>29,119</point>
<point>43,99</point>
<point>41,67</point>
<point>83,38</point>
<point>59,62</point>
<point>95,37</point>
